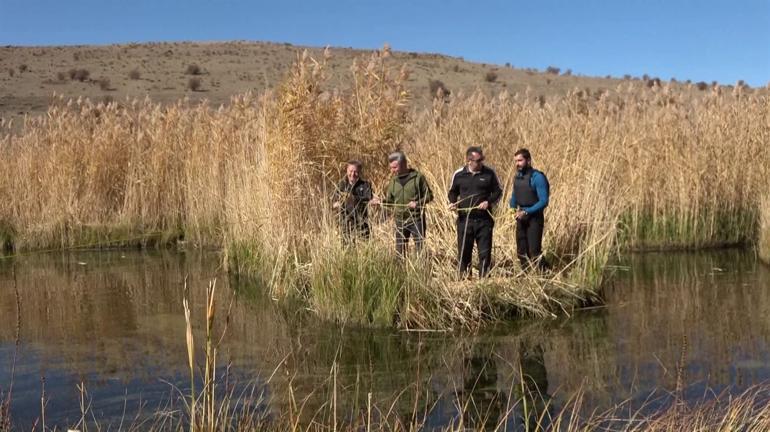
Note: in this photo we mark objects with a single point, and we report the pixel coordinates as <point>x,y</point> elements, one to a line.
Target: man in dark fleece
<point>529,199</point>
<point>406,195</point>
<point>474,192</point>
<point>351,199</point>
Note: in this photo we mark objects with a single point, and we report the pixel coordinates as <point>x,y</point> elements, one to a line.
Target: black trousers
<point>478,231</point>
<point>413,227</point>
<point>353,230</point>
<point>529,241</point>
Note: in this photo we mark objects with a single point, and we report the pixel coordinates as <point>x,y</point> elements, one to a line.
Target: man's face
<point>353,174</point>
<point>521,162</point>
<point>395,167</point>
<point>475,161</point>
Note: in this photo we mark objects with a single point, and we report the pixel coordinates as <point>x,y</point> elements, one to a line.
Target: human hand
<point>519,215</point>
<point>375,201</point>
<point>412,204</point>
<point>484,205</point>
<point>453,206</point>
<point>336,205</point>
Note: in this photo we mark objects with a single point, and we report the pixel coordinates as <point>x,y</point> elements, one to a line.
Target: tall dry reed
<point>632,167</point>
<point>763,245</point>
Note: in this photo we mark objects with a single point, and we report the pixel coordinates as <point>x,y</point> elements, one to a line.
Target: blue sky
<point>699,40</point>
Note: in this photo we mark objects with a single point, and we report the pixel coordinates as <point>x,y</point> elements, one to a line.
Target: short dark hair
<point>474,149</point>
<point>356,163</point>
<point>524,152</point>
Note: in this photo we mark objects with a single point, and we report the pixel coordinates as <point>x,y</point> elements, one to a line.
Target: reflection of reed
<point>712,301</point>
<point>120,315</point>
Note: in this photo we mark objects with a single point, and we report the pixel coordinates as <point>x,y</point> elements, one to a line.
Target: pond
<point>108,328</point>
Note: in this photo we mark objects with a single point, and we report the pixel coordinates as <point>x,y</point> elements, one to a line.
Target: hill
<point>167,72</point>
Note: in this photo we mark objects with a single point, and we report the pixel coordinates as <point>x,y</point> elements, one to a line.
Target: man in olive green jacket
<point>406,195</point>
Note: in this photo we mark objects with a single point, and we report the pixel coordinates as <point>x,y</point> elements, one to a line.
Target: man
<point>474,192</point>
<point>406,195</point>
<point>529,200</point>
<point>351,199</point>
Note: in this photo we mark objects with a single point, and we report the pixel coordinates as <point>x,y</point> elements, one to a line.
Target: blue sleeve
<point>512,201</point>
<point>541,188</point>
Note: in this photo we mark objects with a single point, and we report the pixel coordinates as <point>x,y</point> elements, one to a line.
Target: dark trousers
<point>529,241</point>
<point>413,227</point>
<point>470,231</point>
<point>353,230</point>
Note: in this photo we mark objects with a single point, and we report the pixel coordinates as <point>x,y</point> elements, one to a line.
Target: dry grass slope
<point>31,75</point>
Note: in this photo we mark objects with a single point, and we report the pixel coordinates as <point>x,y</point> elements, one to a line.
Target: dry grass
<point>637,167</point>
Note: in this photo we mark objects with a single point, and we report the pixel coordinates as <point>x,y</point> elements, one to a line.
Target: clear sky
<point>700,40</point>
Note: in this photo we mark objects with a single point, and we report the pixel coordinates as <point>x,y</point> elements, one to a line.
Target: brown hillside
<point>166,72</point>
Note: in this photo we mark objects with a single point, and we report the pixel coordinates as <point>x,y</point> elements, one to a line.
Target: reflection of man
<point>351,199</point>
<point>485,403</point>
<point>474,192</point>
<point>533,368</point>
<point>407,194</point>
<point>529,199</point>
<point>535,386</point>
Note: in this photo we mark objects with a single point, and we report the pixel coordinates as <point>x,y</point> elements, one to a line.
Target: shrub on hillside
<point>652,82</point>
<point>104,83</point>
<point>436,86</point>
<point>79,74</point>
<point>490,76</point>
<point>194,84</point>
<point>193,69</point>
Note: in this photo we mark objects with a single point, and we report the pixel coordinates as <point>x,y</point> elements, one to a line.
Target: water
<point>683,324</point>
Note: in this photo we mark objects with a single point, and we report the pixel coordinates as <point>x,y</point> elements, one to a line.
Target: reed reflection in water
<point>675,324</point>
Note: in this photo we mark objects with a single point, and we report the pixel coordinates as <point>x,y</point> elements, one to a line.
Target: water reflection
<point>676,323</point>
<point>493,399</point>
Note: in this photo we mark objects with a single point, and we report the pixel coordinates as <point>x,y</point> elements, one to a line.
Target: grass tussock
<point>634,167</point>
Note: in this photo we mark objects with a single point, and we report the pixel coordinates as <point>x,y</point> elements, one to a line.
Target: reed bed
<point>632,168</point>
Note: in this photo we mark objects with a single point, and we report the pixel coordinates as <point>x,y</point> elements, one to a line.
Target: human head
<point>523,159</point>
<point>353,171</point>
<point>397,162</point>
<point>474,157</point>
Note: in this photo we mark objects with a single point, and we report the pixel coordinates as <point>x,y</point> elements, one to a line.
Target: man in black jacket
<point>351,199</point>
<point>475,190</point>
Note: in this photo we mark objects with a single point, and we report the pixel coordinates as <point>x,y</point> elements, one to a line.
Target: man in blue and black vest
<point>474,192</point>
<point>529,200</point>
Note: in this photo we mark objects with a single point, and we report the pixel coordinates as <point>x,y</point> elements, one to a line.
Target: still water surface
<point>113,320</point>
